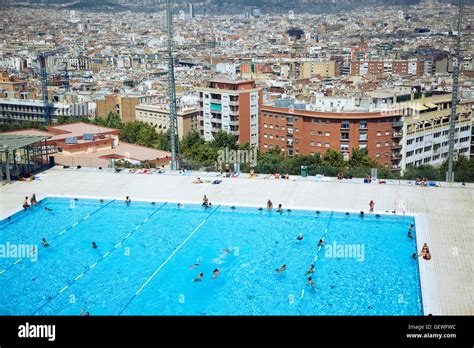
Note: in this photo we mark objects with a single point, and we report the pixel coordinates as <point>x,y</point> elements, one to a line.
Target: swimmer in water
<point>44,243</point>
<point>94,246</point>
<point>128,200</point>
<point>300,236</point>
<point>409,235</point>
<point>269,205</point>
<point>196,264</point>
<point>215,273</point>
<point>84,313</point>
<point>280,209</point>
<point>281,269</point>
<point>48,209</point>
<point>321,243</point>
<point>199,277</point>
<point>311,269</point>
<point>310,282</point>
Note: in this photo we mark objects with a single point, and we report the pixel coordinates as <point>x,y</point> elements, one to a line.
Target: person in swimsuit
<point>311,269</point>
<point>281,269</point>
<point>199,277</point>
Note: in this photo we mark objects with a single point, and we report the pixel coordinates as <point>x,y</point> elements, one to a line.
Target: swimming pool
<point>146,252</point>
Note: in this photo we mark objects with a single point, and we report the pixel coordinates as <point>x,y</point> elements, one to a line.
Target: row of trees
<point>197,153</point>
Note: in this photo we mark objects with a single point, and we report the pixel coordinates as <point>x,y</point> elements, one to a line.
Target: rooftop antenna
<point>454,100</point>
<point>171,86</point>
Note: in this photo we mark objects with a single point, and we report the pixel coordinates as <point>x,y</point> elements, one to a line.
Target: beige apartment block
<point>159,117</point>
<point>124,106</point>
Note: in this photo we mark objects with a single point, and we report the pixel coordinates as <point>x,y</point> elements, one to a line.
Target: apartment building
<point>399,135</point>
<point>19,110</point>
<point>414,67</point>
<point>231,106</point>
<point>306,132</point>
<point>426,130</point>
<point>159,117</point>
<point>122,105</point>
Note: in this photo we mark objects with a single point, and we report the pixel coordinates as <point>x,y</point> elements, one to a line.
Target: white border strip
<point>427,269</point>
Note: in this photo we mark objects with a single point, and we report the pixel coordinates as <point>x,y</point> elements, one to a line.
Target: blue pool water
<point>142,263</point>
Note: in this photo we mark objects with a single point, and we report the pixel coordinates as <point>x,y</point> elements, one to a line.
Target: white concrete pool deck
<point>444,216</point>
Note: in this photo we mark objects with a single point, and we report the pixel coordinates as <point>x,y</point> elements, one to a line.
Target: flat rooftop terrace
<point>448,211</point>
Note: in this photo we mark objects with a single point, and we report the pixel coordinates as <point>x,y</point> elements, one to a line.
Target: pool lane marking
<point>91,266</point>
<point>168,258</point>
<point>61,233</point>
<point>323,238</point>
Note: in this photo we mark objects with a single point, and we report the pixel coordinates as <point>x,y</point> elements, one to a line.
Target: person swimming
<point>215,274</point>
<point>409,235</point>
<point>300,236</point>
<point>269,205</point>
<point>128,200</point>
<point>311,269</point>
<point>48,209</point>
<point>84,313</point>
<point>199,277</point>
<point>414,256</point>
<point>310,282</point>
<point>205,202</point>
<point>320,243</point>
<point>44,243</point>
<point>281,269</point>
<point>196,265</point>
<point>280,209</point>
<point>94,246</point>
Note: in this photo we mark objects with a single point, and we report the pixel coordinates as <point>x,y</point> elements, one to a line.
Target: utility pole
<point>454,102</point>
<point>171,87</point>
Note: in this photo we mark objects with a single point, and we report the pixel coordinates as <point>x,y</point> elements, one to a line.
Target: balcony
<point>397,135</point>
<point>396,146</point>
<point>396,156</point>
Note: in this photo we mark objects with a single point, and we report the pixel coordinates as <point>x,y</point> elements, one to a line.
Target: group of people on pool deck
<point>32,202</point>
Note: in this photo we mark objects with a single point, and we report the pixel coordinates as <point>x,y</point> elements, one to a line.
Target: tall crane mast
<point>42,57</point>
<point>454,95</point>
<point>171,87</point>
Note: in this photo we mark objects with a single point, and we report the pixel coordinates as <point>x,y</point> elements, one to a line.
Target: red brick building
<point>309,132</point>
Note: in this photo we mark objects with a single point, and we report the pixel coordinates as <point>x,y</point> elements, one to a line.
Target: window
<point>363,124</point>
<point>320,133</point>
<point>327,134</point>
<point>387,143</point>
<point>327,145</point>
<point>379,133</point>
<point>344,136</point>
<point>410,141</point>
<point>311,143</point>
<point>345,125</point>
<point>363,137</point>
<point>311,132</point>
<point>378,155</point>
<point>378,144</point>
<point>344,147</point>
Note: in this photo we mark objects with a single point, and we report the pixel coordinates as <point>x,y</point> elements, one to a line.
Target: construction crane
<point>171,87</point>
<point>454,95</point>
<point>42,57</point>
